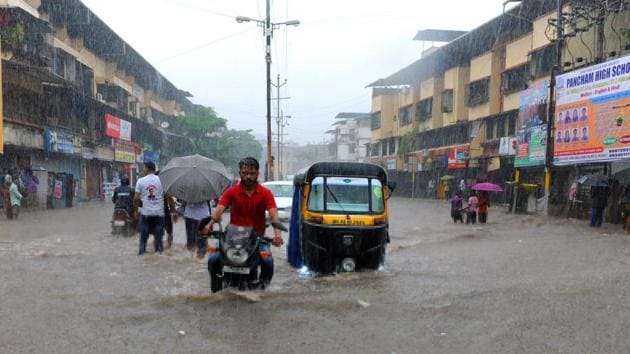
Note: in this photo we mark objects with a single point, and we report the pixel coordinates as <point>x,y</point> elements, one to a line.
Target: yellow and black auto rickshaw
<point>340,219</point>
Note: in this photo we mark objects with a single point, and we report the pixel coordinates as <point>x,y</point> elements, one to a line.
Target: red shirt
<point>248,210</point>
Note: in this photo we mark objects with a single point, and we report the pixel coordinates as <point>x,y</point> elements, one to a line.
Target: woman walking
<point>484,204</point>
<point>473,204</point>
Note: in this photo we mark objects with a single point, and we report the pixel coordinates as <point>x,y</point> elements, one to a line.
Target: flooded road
<point>517,284</point>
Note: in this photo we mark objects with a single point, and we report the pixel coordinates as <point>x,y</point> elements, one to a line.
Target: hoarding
<point>124,152</point>
<point>531,127</point>
<point>592,117</point>
<point>117,128</point>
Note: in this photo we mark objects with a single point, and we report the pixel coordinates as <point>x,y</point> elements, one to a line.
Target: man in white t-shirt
<point>149,190</point>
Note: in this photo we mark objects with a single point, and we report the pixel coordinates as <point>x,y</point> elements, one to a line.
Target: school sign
<point>592,120</point>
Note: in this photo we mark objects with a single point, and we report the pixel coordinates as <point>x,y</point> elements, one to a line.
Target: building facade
<point>80,106</point>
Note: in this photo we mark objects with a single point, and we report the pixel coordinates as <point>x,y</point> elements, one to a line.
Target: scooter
<point>241,258</point>
<point>122,223</point>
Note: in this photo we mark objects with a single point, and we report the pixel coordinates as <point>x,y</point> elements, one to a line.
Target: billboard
<point>592,117</point>
<point>117,128</point>
<point>531,135</point>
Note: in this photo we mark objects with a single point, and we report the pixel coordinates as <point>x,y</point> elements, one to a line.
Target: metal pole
<point>268,33</point>
<point>551,104</point>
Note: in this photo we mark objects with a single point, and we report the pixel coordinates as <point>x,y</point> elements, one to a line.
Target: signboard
<point>61,142</point>
<point>58,191</point>
<point>531,136</point>
<point>457,157</point>
<point>117,128</point>
<point>507,146</point>
<point>593,114</point>
<point>391,164</point>
<point>124,152</point>
<point>494,164</point>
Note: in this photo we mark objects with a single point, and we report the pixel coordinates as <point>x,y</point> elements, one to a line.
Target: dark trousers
<point>151,225</point>
<point>597,217</point>
<point>193,238</point>
<point>483,217</point>
<point>472,217</point>
<point>13,211</point>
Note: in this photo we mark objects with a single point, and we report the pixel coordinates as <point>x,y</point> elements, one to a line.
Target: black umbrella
<point>594,180</point>
<point>194,178</point>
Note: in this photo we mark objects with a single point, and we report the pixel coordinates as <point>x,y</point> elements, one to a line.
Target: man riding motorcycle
<point>123,196</point>
<point>247,201</point>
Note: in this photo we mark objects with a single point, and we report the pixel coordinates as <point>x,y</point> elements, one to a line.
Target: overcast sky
<point>340,47</point>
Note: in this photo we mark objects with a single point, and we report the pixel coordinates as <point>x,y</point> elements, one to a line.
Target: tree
<point>212,139</point>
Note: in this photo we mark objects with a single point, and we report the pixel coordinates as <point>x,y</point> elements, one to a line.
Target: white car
<point>283,193</point>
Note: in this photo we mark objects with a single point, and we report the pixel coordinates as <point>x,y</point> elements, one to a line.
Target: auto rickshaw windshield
<point>346,195</point>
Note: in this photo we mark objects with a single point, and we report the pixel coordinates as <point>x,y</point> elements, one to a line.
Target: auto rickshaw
<point>340,220</point>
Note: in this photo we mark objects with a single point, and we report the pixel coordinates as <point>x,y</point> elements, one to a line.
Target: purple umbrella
<point>488,187</point>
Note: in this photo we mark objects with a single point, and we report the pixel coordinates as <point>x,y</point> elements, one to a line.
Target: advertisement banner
<point>58,191</point>
<point>457,157</point>
<point>593,114</point>
<point>531,138</point>
<point>507,146</point>
<point>117,128</point>
<point>124,152</point>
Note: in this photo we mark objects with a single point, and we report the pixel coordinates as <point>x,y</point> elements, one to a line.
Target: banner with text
<point>117,128</point>
<point>592,114</point>
<point>532,130</point>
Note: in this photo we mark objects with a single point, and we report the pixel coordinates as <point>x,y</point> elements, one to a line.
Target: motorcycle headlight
<point>237,256</point>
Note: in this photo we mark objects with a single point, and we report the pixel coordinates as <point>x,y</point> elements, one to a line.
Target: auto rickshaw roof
<point>341,169</point>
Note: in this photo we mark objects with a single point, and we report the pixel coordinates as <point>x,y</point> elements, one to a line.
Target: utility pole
<point>278,85</point>
<point>268,32</point>
<point>551,103</point>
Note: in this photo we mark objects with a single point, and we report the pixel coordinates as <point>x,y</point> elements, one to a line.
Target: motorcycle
<point>241,258</point>
<point>122,223</point>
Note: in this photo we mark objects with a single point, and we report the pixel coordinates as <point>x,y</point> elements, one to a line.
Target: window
<point>447,101</point>
<point>376,120</point>
<point>511,126</point>
<point>392,146</point>
<point>375,149</point>
<point>424,109</point>
<point>346,195</point>
<point>541,61</point>
<point>405,115</point>
<point>489,129</point>
<point>477,92</point>
<point>514,80</point>
<point>352,148</point>
<point>501,127</point>
<point>384,148</point>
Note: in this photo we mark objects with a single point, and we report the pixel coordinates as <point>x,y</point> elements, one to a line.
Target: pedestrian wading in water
<point>484,204</point>
<point>473,204</point>
<point>456,207</point>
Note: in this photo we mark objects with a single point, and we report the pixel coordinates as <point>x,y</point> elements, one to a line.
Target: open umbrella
<point>593,180</point>
<point>194,178</point>
<point>488,187</point>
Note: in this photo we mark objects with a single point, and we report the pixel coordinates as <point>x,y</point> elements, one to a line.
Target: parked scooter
<point>241,258</point>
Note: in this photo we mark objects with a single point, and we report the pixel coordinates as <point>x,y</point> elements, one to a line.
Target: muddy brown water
<point>543,285</point>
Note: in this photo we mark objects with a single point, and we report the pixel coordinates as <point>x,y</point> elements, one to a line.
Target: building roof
<point>437,35</point>
<point>352,115</point>
<point>514,23</point>
<point>99,38</point>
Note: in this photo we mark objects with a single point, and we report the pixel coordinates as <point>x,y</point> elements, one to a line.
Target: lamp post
<point>268,27</point>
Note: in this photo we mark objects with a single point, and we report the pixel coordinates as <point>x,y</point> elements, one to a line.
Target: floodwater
<point>517,284</point>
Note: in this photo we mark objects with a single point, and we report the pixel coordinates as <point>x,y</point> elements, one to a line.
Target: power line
<point>193,7</point>
<point>202,46</point>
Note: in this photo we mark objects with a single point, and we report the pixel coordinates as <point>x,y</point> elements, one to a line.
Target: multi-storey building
<point>81,106</point>
<point>460,101</point>
<point>350,136</point>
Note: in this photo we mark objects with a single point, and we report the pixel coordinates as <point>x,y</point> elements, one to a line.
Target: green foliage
<point>406,144</point>
<point>212,139</point>
<point>626,33</point>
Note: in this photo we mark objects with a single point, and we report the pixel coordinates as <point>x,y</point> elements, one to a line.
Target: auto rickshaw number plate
<point>348,222</point>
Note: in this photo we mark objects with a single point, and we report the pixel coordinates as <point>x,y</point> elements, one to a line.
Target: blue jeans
<point>215,262</point>
<point>597,217</point>
<point>151,225</point>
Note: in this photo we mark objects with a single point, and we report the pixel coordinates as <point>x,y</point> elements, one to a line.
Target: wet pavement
<point>517,284</point>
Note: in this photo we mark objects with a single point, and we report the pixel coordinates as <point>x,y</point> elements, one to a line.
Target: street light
<point>268,33</point>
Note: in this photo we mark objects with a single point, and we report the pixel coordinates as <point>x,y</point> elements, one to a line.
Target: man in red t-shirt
<point>248,201</point>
